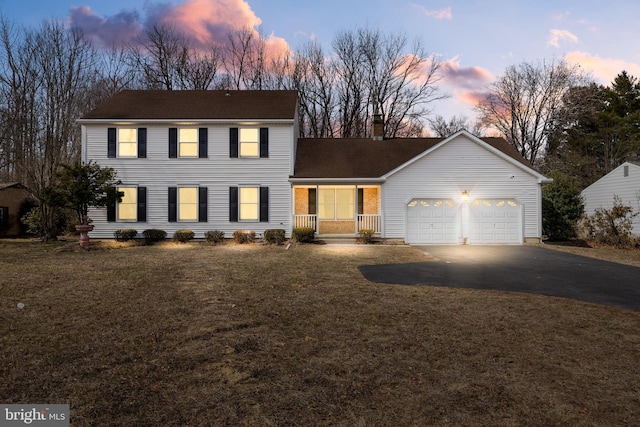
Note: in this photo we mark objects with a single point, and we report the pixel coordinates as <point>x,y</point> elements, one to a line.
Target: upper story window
<point>249,142</point>
<point>188,142</point>
<point>127,142</point>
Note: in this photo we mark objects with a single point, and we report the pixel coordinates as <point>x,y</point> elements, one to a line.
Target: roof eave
<point>295,180</point>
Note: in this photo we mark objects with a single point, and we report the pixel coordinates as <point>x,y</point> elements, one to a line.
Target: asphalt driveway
<point>519,269</point>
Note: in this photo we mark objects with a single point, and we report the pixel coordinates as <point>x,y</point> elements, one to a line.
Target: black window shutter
<point>111,211</point>
<point>203,137</point>
<point>142,204</point>
<point>111,142</point>
<point>202,204</point>
<point>264,142</point>
<point>312,201</point>
<point>360,201</point>
<point>233,204</point>
<point>233,142</point>
<point>142,143</point>
<point>264,204</point>
<point>173,143</point>
<point>173,204</point>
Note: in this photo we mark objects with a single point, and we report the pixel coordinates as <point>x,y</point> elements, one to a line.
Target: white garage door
<point>432,221</point>
<point>495,221</point>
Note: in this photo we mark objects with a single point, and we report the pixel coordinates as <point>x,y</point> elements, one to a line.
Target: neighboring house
<point>624,182</point>
<point>207,160</point>
<point>12,197</point>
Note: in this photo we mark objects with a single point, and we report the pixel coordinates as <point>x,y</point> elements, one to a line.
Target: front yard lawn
<point>200,335</point>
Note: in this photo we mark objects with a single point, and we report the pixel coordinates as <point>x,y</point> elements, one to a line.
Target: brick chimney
<point>377,129</point>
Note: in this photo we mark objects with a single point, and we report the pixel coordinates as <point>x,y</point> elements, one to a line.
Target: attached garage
<point>431,221</point>
<point>495,221</point>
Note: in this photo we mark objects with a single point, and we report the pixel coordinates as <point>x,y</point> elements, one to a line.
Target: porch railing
<point>370,222</point>
<point>310,221</point>
<point>364,222</point>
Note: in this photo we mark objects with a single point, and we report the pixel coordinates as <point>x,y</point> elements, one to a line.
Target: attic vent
<point>626,171</point>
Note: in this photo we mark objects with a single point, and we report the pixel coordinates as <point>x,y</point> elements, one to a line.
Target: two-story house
<point>230,160</point>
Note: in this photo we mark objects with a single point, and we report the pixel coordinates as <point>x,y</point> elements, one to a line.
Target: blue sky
<point>475,40</point>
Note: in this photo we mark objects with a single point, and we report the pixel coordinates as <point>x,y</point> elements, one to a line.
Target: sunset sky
<point>474,39</point>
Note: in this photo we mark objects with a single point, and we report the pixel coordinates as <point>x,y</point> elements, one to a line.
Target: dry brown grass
<point>197,335</point>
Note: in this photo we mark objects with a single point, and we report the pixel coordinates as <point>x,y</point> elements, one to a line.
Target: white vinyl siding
<point>599,195</point>
<point>218,172</point>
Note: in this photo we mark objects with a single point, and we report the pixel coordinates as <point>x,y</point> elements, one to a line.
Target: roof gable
<point>343,158</point>
<point>615,175</point>
<point>197,105</point>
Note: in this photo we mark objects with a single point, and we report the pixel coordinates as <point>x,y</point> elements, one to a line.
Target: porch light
<point>465,196</point>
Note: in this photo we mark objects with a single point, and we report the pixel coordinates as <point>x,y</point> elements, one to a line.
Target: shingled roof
<point>365,158</point>
<point>197,105</point>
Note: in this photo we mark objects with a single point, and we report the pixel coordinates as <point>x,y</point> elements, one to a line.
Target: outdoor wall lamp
<point>465,196</point>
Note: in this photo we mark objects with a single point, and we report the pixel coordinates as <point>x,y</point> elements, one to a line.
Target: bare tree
<point>522,102</point>
<point>378,73</point>
<point>313,78</point>
<point>46,85</point>
<point>443,128</point>
<point>168,60</point>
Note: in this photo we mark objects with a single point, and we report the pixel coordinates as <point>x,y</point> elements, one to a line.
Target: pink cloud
<point>208,23</point>
<point>116,30</point>
<point>467,85</point>
<point>465,78</point>
<point>435,14</point>
<point>604,70</point>
<point>556,36</point>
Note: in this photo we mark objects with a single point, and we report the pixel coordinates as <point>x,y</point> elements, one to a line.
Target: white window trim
<point>118,219</point>
<point>197,142</point>
<point>257,219</point>
<point>335,203</point>
<point>178,204</point>
<point>132,156</point>
<point>257,142</point>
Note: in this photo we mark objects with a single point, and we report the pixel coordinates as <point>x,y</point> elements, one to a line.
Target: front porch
<point>339,210</point>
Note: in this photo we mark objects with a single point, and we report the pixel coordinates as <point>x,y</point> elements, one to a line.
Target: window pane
<point>188,149</point>
<point>249,198</point>
<point>128,149</point>
<point>187,203</point>
<point>249,149</point>
<point>128,207</point>
<point>188,135</point>
<point>326,203</point>
<point>248,135</point>
<point>345,203</point>
<point>128,135</point>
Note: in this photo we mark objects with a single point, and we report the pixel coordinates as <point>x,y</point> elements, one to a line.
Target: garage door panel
<point>432,221</point>
<point>495,221</point>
